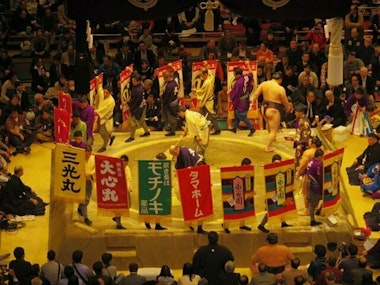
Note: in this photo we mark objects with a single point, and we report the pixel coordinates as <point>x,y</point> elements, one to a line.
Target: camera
<point>343,248</point>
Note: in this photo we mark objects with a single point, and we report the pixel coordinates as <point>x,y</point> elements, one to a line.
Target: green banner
<point>155,187</point>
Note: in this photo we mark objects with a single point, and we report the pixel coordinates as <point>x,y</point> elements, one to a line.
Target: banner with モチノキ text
<point>154,188</point>
<point>195,188</point>
<point>331,176</point>
<point>279,189</point>
<point>69,173</point>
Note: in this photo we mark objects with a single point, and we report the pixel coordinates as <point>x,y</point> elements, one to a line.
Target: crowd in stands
<point>211,264</point>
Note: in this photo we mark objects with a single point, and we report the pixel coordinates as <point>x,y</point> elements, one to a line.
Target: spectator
<point>312,75</point>
<point>319,263</point>
<point>242,51</point>
<point>353,41</point>
<point>19,134</point>
<point>330,267</point>
<point>109,68</point>
<point>6,63</point>
<point>39,76</point>
<point>349,264</point>
<point>68,58</point>
<point>358,273</point>
<point>143,53</point>
<point>375,26</point>
<point>165,277</point>
<point>289,274</point>
<point>209,260</point>
<point>8,87</point>
<point>133,278</point>
<point>52,270</point>
<point>188,276</point>
<point>229,277</point>
<point>366,52</point>
<point>40,45</point>
<point>99,277</point>
<point>20,199</point>
<point>45,127</point>
<point>351,66</point>
<point>49,24</point>
<point>23,95</point>
<point>66,39</point>
<point>227,44</point>
<point>263,277</point>
<point>293,53</point>
<point>81,270</point>
<point>19,268</point>
<point>317,36</point>
<point>354,19</point>
<point>190,19</point>
<point>123,58</point>
<point>265,255</point>
<point>210,47</point>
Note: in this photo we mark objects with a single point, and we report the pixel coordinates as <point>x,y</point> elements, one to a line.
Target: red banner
<point>92,94</point>
<point>195,188</point>
<point>62,120</point>
<point>125,79</point>
<point>64,102</point>
<point>111,184</point>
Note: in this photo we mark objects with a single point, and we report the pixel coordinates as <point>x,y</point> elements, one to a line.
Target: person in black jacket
<point>370,155</point>
<point>137,107</point>
<point>209,260</point>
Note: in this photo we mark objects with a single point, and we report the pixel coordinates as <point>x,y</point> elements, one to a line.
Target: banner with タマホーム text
<point>195,188</point>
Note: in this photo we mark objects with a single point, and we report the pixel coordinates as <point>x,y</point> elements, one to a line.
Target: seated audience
<point>40,45</point>
<point>133,278</point>
<point>263,276</point>
<point>19,199</point>
<point>45,127</point>
<point>229,277</point>
<point>18,132</point>
<point>166,277</point>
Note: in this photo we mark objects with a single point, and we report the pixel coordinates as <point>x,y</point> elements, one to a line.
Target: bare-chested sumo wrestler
<point>274,100</point>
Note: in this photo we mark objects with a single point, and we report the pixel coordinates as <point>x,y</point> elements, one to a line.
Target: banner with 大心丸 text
<point>69,173</point>
<point>154,188</point>
<point>238,192</point>
<point>111,185</point>
<point>279,189</point>
<point>195,188</point>
<point>331,176</point>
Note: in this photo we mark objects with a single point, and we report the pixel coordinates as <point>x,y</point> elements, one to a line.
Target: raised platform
<point>150,248</point>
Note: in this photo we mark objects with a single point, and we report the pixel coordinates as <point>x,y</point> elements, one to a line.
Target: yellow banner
<point>69,173</point>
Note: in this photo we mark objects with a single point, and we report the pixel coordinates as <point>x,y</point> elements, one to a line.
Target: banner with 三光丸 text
<point>69,173</point>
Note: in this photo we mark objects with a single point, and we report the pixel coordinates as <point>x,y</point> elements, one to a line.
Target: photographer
<point>317,36</point>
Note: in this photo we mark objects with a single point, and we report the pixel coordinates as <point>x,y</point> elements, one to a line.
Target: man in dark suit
<point>124,57</point>
<point>144,53</point>
<point>366,81</point>
<point>133,278</point>
<point>357,274</point>
<point>56,69</point>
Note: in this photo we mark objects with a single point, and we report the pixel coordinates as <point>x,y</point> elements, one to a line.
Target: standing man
<point>137,107</point>
<point>196,126</point>
<point>274,100</point>
<point>239,96</point>
<point>209,260</point>
<point>105,114</point>
<point>274,255</point>
<point>86,112</point>
<point>187,157</point>
<point>170,102</point>
<point>314,174</point>
<point>90,175</point>
<point>205,96</point>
